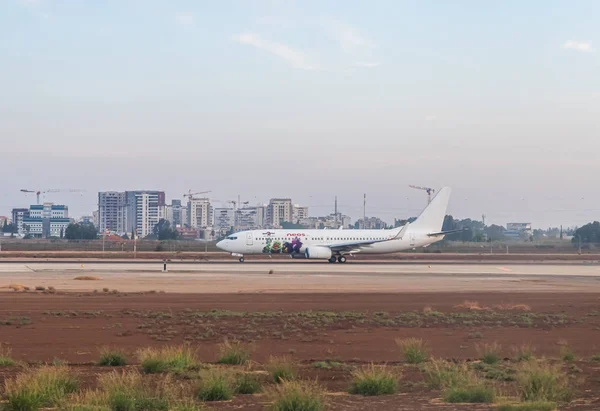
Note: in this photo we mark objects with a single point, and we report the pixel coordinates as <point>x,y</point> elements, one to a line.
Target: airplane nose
<point>221,245</point>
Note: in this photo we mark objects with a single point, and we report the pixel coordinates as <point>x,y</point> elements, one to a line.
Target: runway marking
<point>504,269</point>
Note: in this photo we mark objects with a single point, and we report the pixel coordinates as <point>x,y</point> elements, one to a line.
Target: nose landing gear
<point>242,259</point>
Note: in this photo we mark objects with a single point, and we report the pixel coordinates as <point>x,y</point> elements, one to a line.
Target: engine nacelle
<point>318,252</point>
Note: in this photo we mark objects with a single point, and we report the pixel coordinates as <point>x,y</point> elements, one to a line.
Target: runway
<point>302,278</point>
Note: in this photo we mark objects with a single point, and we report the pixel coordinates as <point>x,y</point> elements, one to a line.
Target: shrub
<point>297,396</point>
<point>6,359</point>
<point>414,350</point>
<point>246,383</point>
<point>44,387</point>
<point>327,365</point>
<point>529,406</point>
<point>281,369</point>
<point>373,380</point>
<point>543,382</point>
<point>442,374</point>
<point>215,385</point>
<point>172,358</point>
<point>595,358</point>
<point>233,353</point>
<point>476,393</point>
<point>111,358</point>
<point>490,353</point>
<point>524,352</point>
<point>127,391</point>
<point>567,354</point>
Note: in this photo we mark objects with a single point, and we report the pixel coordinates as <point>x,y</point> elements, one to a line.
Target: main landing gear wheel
<point>341,259</point>
<point>332,260</point>
<point>241,259</point>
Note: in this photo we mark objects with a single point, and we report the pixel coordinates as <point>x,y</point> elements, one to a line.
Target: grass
<point>327,365</point>
<point>112,358</point>
<point>281,369</point>
<point>458,382</point>
<point>414,350</point>
<point>215,385</point>
<point>246,383</point>
<point>6,359</point>
<point>477,393</point>
<point>595,358</point>
<point>528,406</point>
<point>167,359</point>
<point>540,381</point>
<point>373,380</point>
<point>233,353</point>
<point>524,352</point>
<point>40,388</point>
<point>297,396</point>
<point>490,353</point>
<point>567,354</point>
<point>127,391</point>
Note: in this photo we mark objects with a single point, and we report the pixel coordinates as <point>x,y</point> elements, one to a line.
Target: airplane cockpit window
<point>232,238</point>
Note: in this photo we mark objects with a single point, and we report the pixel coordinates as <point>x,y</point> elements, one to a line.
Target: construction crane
<point>51,190</point>
<point>191,195</point>
<point>429,191</point>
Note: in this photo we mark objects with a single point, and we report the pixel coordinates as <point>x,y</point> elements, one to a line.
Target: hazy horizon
<point>308,100</point>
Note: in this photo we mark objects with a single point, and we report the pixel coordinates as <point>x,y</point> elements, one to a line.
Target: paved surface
<point>305,278</point>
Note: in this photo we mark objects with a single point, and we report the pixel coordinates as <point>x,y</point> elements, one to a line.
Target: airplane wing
<point>355,246</point>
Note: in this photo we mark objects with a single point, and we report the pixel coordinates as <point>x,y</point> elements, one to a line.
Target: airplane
<point>335,244</point>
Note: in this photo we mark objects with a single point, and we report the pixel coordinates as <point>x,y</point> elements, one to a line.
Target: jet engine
<point>318,252</point>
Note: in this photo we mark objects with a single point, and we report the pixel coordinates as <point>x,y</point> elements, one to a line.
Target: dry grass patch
<point>6,359</point>
<point>373,380</point>
<point>297,396</point>
<point>234,353</point>
<point>111,357</point>
<point>215,385</point>
<point>414,350</point>
<point>471,305</point>
<point>512,307</point>
<point>39,388</point>
<point>87,278</point>
<point>281,369</point>
<point>167,359</point>
<point>524,352</point>
<point>540,381</point>
<point>489,353</point>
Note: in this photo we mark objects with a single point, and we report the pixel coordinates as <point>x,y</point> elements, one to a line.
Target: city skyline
<point>307,100</point>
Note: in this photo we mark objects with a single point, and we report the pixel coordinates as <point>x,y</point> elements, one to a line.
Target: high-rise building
<point>176,220</point>
<point>112,212</point>
<point>279,210</point>
<point>18,214</point>
<point>299,213</point>
<point>224,219</point>
<point>143,210</point>
<point>200,213</point>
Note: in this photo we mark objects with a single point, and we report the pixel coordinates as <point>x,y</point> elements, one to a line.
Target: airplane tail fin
<point>431,218</point>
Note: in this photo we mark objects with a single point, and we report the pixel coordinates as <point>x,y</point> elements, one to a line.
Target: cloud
<point>184,18</point>
<point>295,57</point>
<point>578,46</point>
<point>349,38</point>
<point>367,64</point>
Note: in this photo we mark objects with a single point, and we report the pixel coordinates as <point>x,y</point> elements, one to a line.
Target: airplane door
<point>413,240</point>
<point>249,238</point>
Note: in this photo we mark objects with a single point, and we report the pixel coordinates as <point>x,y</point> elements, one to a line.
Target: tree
<point>163,231</point>
<point>495,232</point>
<point>588,234</point>
<point>83,231</point>
<point>125,236</point>
<point>62,233</point>
<point>9,228</point>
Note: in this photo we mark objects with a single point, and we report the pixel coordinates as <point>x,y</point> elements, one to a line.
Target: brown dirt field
<point>350,328</point>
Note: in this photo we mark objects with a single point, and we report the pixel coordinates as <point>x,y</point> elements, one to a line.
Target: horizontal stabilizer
<point>446,232</point>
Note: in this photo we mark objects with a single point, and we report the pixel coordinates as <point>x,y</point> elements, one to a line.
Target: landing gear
<point>242,259</point>
<point>332,259</point>
<point>341,259</point>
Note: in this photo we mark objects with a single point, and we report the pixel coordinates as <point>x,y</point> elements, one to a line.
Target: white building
<point>224,219</point>
<point>112,212</point>
<point>279,210</point>
<point>143,210</point>
<point>299,213</point>
<point>199,213</point>
<point>45,220</point>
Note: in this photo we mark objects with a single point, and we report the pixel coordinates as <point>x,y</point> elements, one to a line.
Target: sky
<point>306,99</point>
